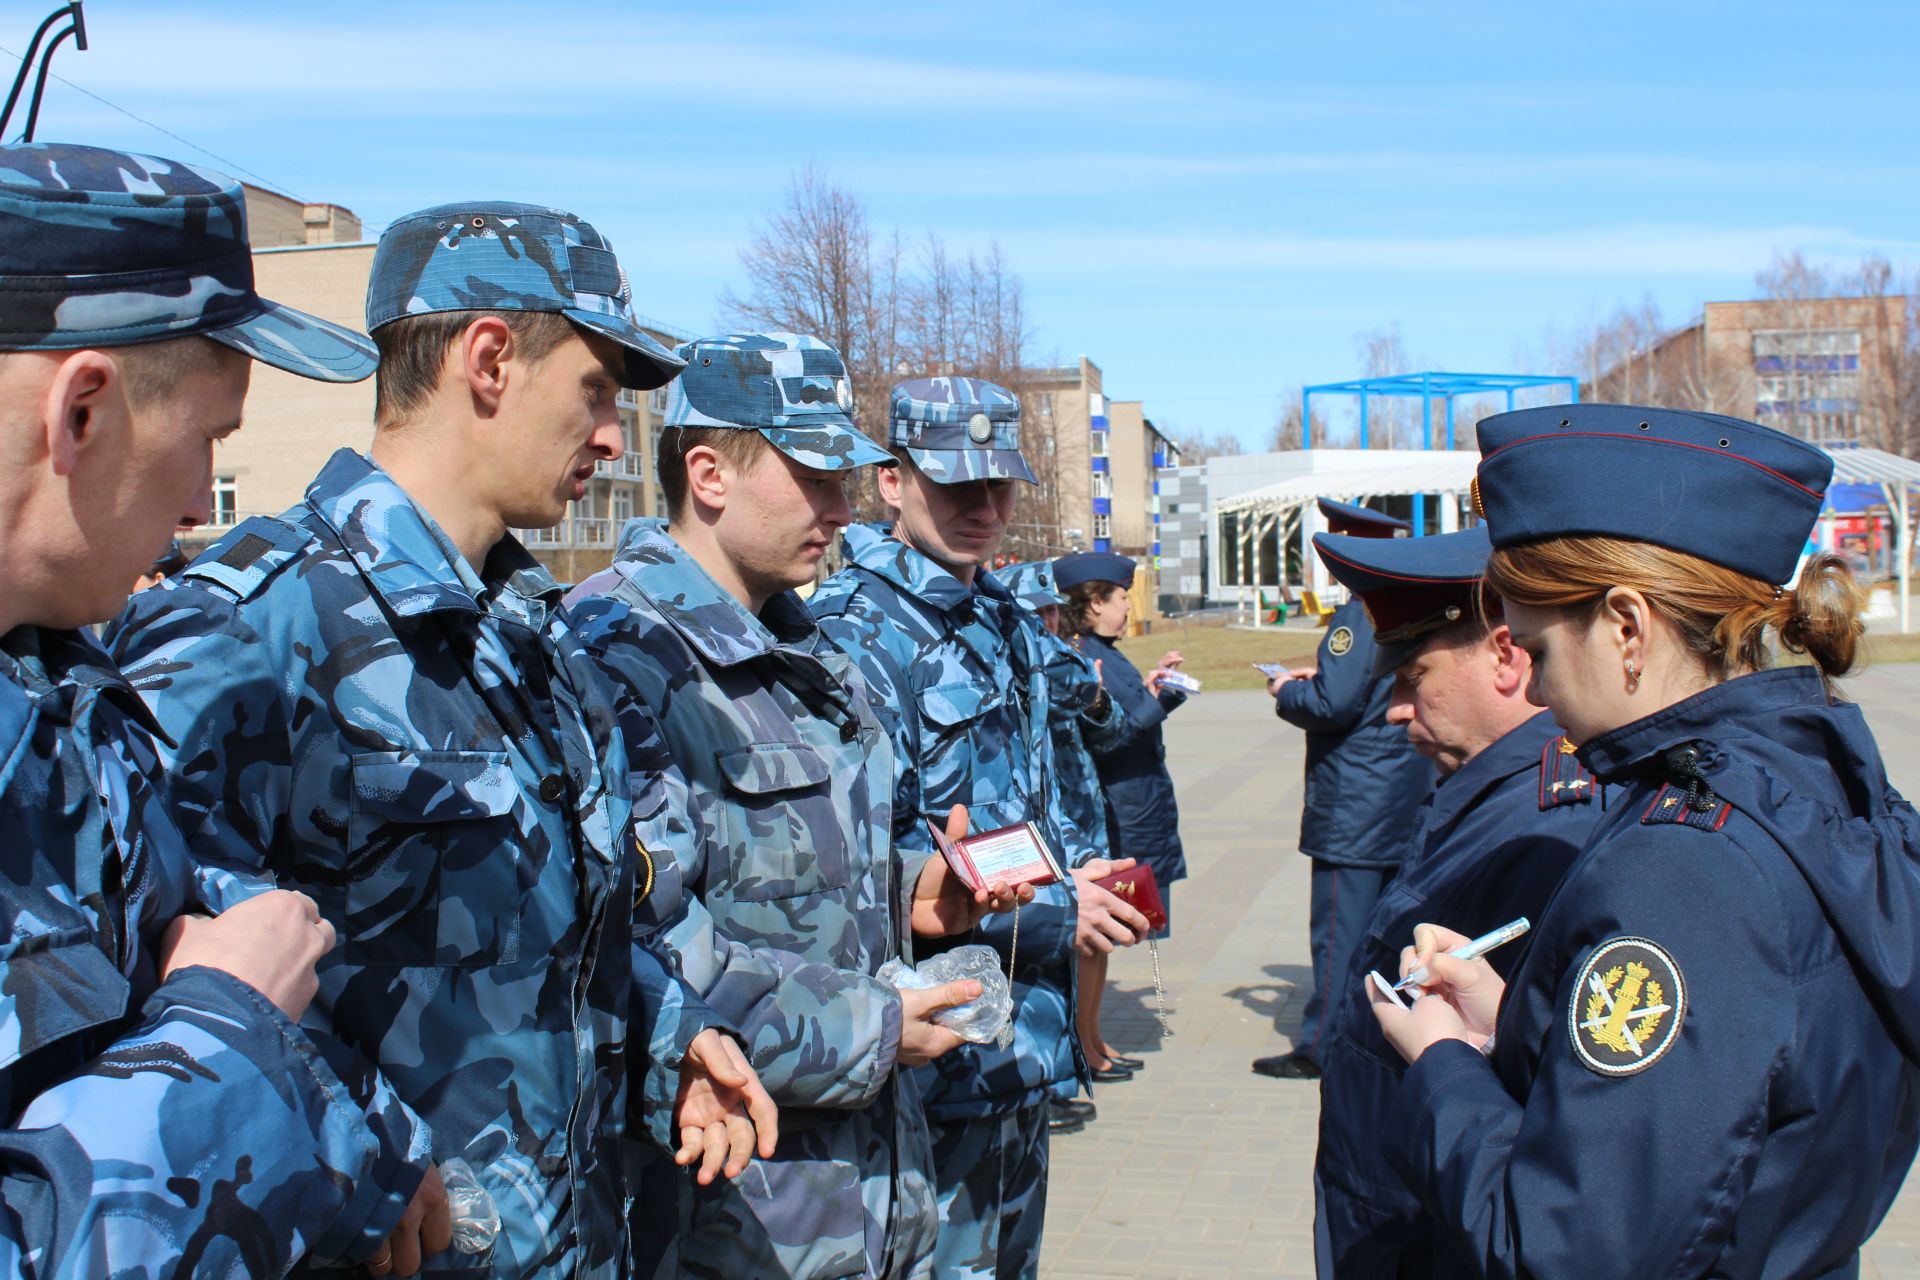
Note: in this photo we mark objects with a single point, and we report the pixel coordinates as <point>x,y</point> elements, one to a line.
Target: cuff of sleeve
<point>376,1144</point>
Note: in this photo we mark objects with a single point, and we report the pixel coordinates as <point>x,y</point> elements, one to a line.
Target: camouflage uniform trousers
<point>992,1175</point>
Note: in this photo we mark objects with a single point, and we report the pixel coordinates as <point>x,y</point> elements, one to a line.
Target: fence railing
<point>579,532</point>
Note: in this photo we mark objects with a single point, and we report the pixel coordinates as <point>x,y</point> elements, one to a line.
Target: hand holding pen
<point>1460,989</point>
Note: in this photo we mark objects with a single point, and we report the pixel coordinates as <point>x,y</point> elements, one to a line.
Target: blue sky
<point>1208,200</point>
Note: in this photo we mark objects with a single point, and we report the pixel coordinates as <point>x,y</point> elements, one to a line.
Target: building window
<point>1103,484</point>
<point>1043,406</point>
<point>1807,382</point>
<point>622,505</point>
<point>657,403</point>
<point>1102,526</point>
<point>226,500</point>
<point>1099,445</point>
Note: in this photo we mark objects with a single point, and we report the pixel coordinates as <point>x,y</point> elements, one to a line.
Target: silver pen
<point>1471,951</point>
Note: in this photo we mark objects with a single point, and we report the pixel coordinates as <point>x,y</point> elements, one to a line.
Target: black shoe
<point>1079,1108</point>
<point>1063,1122</point>
<point>1112,1075</point>
<point>1298,1065</point>
<point>1131,1064</point>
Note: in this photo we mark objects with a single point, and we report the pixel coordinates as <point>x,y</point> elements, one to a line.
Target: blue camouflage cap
<point>1731,492</point>
<point>1031,584</point>
<point>791,388</point>
<point>106,248</point>
<point>1411,587</point>
<point>958,429</point>
<point>493,255</point>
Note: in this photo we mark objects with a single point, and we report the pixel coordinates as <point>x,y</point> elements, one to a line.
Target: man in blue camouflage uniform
<point>375,699</point>
<point>136,1027</point>
<point>1513,808</point>
<point>960,685</point>
<point>795,895</point>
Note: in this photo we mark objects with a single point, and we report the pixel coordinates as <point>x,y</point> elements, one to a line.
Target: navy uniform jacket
<point>1364,779</point>
<point>1760,1125</point>
<point>1494,840</point>
<point>1143,819</point>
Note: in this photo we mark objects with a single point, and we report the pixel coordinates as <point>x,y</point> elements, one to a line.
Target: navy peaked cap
<point>1092,566</point>
<point>1412,587</point>
<point>1364,522</point>
<point>1731,492</point>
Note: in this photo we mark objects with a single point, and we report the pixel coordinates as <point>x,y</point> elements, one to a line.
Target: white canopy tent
<point>1288,509</point>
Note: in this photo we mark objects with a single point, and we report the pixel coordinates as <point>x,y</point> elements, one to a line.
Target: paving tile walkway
<point>1199,1168</point>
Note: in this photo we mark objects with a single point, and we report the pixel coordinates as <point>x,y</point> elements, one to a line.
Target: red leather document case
<point>1011,856</point>
<point>1138,889</point>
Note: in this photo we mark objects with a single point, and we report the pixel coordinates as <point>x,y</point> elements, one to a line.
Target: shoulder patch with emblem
<point>1340,642</point>
<point>1627,1006</point>
<point>1672,805</point>
<point>1562,780</point>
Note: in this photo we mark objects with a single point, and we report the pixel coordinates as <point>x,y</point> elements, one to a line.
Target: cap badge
<point>843,394</point>
<point>980,428</point>
<point>1627,1007</point>
<point>1473,489</point>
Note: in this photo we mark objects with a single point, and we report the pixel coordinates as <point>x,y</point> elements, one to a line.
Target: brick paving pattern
<point>1199,1168</point>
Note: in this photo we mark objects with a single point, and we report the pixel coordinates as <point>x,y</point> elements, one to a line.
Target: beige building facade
<point>293,425</point>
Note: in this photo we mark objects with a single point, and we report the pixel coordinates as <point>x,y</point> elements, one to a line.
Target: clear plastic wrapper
<point>476,1222</point>
<point>981,1021</point>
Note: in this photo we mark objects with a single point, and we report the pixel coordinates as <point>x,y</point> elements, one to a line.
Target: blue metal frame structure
<point>1428,387</point>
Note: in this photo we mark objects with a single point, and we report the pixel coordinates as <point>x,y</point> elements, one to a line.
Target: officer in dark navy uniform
<point>1707,1062</point>
<point>1364,782</point>
<point>1512,809</point>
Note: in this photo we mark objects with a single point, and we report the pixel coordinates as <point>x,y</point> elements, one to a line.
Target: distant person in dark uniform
<point>1512,809</point>
<point>1707,1060</point>
<point>1364,781</point>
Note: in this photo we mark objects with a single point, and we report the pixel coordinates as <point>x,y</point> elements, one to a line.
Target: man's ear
<point>482,352</point>
<point>84,398</point>
<point>709,476</point>
<point>888,481</point>
<point>1511,666</point>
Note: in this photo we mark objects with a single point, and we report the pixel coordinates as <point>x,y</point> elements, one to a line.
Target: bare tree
<point>1389,418</point>
<point>1197,446</point>
<point>1286,434</point>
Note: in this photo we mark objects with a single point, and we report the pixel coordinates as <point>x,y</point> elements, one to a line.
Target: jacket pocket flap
<point>433,786</point>
<point>948,705</point>
<point>762,767</point>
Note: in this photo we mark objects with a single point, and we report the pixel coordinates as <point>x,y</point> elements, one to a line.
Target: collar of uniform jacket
<point>707,616</point>
<point>409,561</point>
<point>36,661</point>
<point>1515,751</point>
<point>1632,748</point>
<point>875,549</point>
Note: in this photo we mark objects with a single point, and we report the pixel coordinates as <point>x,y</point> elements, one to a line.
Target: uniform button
<point>552,787</point>
<point>849,730</point>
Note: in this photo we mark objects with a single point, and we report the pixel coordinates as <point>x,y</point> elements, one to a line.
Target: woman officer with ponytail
<point>1705,1062</point>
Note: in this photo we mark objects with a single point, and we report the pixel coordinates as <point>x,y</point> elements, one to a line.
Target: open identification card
<point>1012,856</point>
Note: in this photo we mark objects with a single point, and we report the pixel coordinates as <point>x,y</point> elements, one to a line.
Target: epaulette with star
<point>1562,780</point>
<point>1690,801</point>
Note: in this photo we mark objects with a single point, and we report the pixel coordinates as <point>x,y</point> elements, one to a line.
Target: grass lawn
<point>1222,657</point>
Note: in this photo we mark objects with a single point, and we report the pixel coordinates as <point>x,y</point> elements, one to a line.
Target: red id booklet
<point>1011,856</point>
<point>1138,889</point>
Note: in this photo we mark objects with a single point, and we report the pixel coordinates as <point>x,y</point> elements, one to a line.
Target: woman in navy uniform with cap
<point>1143,817</point>
<point>1705,1063</point>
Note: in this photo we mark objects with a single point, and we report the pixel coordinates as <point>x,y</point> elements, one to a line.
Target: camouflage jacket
<point>426,750</point>
<point>794,899</point>
<point>1074,694</point>
<point>119,1154</point>
<point>960,685</point>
